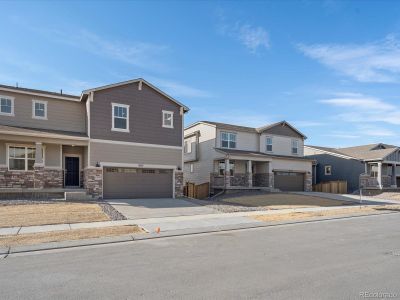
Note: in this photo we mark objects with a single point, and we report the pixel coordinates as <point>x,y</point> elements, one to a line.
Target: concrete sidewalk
<point>365,200</point>
<point>168,223</point>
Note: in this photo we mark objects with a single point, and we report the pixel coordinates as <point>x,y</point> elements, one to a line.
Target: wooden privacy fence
<point>334,187</point>
<point>200,191</point>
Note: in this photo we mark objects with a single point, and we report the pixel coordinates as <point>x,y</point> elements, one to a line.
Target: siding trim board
<point>40,94</point>
<point>135,144</point>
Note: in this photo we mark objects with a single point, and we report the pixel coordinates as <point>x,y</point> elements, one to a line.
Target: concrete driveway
<point>158,208</point>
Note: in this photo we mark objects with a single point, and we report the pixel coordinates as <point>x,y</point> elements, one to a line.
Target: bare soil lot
<point>356,210</point>
<point>66,235</point>
<point>51,213</point>
<point>282,201</point>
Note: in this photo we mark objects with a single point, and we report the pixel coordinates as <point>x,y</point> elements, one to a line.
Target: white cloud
<point>370,62</point>
<point>252,37</point>
<point>365,109</point>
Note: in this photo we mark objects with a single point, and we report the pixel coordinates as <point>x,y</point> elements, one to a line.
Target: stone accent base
<point>178,184</point>
<point>38,178</point>
<point>308,182</point>
<point>368,181</point>
<point>93,182</point>
<point>263,180</point>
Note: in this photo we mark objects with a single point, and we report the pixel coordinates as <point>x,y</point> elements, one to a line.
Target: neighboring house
<point>367,166</point>
<point>122,140</point>
<point>238,157</point>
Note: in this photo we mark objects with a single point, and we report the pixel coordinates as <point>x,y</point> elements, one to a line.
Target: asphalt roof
<point>21,89</point>
<point>376,151</point>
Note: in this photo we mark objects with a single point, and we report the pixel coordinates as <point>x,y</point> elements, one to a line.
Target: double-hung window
<point>328,170</point>
<point>188,147</point>
<point>167,119</point>
<point>268,144</point>
<point>21,158</point>
<point>6,106</point>
<point>120,117</point>
<point>39,109</point>
<point>228,140</point>
<point>295,147</point>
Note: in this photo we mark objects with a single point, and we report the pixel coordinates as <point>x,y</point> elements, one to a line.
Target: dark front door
<point>71,171</point>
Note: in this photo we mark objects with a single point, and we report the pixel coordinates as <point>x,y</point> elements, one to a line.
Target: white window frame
<point>164,112</point>
<point>12,106</point>
<point>34,101</point>
<point>326,170</point>
<point>191,168</point>
<point>266,144</point>
<point>187,147</point>
<point>127,117</point>
<point>296,142</point>
<point>229,139</point>
<point>26,155</point>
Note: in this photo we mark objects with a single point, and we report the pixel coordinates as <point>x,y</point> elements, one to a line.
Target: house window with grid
<point>167,119</point>
<point>295,147</point>
<point>328,170</point>
<point>21,158</point>
<point>187,147</point>
<point>268,143</point>
<point>39,109</point>
<point>6,106</point>
<point>228,140</point>
<point>120,117</point>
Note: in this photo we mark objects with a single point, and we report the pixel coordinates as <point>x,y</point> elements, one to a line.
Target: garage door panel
<point>289,181</point>
<point>137,183</point>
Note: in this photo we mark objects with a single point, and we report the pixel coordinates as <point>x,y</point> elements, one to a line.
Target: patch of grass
<point>363,210</point>
<point>66,235</point>
<point>52,213</point>
<point>284,200</point>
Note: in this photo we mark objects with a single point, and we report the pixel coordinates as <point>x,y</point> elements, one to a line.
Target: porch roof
<point>44,133</point>
<point>257,155</point>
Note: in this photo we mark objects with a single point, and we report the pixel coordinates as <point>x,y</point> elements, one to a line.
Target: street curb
<point>173,233</point>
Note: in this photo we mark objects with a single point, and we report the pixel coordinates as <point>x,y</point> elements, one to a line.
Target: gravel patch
<point>110,211</point>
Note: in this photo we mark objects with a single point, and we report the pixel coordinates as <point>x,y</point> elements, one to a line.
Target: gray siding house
<point>237,157</point>
<point>113,141</point>
<point>374,166</point>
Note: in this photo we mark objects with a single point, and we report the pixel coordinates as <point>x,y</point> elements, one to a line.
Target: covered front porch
<point>240,173</point>
<point>381,175</point>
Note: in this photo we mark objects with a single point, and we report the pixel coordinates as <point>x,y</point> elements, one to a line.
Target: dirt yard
<point>66,235</point>
<point>363,210</point>
<point>52,213</point>
<point>282,200</point>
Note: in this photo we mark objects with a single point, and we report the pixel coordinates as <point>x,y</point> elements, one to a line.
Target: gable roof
<point>245,128</point>
<point>40,93</point>
<point>362,152</point>
<point>85,93</point>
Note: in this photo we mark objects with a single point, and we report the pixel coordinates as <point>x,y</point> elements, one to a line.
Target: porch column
<point>39,154</point>
<point>379,177</point>
<point>394,176</point>
<point>270,175</point>
<point>249,173</point>
<point>366,167</point>
<point>227,178</point>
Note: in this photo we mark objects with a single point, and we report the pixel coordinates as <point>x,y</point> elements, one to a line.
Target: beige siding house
<point>238,157</point>
<point>110,142</point>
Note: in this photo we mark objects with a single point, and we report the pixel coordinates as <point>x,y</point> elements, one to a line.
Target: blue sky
<point>330,68</point>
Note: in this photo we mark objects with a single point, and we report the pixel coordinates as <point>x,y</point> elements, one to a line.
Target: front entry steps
<point>77,195</point>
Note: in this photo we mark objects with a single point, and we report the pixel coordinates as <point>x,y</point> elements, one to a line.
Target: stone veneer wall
<point>239,179</point>
<point>308,182</point>
<point>263,179</point>
<point>93,182</point>
<point>178,183</point>
<point>367,181</point>
<point>38,178</point>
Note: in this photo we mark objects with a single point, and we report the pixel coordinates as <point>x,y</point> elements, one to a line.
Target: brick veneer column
<point>178,183</point>
<point>93,182</point>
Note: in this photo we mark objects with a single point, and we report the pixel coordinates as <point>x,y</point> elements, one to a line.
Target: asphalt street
<point>340,259</point>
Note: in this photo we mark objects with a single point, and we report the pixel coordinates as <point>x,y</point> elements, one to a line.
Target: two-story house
<point>237,157</point>
<point>117,141</point>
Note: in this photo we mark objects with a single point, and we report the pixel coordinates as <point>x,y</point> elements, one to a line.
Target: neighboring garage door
<point>126,183</point>
<point>289,181</point>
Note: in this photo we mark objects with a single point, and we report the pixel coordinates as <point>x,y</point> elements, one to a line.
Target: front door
<point>71,171</point>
